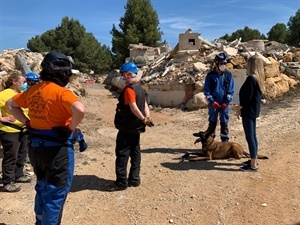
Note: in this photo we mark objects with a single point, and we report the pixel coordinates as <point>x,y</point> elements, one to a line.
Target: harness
<point>21,129</point>
<point>37,139</point>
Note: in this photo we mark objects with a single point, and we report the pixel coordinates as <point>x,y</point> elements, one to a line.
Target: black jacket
<point>250,98</point>
<point>125,120</point>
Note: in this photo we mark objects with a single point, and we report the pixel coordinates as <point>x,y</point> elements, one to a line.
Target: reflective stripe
<point>209,97</point>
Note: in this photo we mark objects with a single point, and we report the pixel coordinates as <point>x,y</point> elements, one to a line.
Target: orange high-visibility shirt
<point>49,104</point>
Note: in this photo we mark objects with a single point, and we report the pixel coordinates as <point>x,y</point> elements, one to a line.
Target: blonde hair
<point>13,76</point>
<point>255,67</point>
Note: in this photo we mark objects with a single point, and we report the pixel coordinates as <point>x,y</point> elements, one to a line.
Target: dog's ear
<point>197,140</point>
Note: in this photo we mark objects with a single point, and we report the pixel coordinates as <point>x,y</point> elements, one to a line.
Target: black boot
<point>210,130</point>
<point>224,132</point>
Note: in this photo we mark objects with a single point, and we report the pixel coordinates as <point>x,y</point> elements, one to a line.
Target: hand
<point>215,105</point>
<point>238,111</point>
<point>223,106</point>
<point>8,119</point>
<point>27,124</point>
<point>148,121</point>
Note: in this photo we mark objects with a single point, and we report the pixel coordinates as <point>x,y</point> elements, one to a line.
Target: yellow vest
<point>4,96</point>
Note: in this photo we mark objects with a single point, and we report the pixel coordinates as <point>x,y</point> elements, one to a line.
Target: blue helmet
<point>129,67</point>
<point>221,57</point>
<point>32,76</point>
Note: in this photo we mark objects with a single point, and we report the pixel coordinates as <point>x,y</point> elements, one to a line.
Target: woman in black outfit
<point>249,108</point>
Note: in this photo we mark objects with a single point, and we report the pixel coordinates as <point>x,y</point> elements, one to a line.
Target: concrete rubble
<point>176,77</point>
<point>9,61</point>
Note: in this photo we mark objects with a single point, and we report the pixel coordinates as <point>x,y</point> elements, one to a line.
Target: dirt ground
<point>174,192</point>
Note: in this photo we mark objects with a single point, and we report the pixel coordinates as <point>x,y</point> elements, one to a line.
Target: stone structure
<point>136,52</point>
<point>189,41</point>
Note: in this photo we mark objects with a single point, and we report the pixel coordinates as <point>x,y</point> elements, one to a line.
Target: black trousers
<point>15,148</point>
<point>128,145</point>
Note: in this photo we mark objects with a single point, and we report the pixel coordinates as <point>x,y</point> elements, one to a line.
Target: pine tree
<point>293,36</point>
<point>71,38</point>
<point>138,25</point>
<point>278,33</point>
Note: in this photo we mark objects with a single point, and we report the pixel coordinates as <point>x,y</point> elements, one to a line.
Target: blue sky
<point>21,20</point>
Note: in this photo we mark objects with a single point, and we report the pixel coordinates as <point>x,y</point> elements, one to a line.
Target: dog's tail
<point>258,156</point>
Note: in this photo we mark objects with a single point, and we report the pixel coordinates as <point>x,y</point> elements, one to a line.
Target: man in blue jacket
<point>218,89</point>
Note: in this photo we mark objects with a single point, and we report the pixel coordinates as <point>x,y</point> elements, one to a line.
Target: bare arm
<point>16,110</point>
<point>147,110</point>
<point>78,111</point>
<point>136,111</point>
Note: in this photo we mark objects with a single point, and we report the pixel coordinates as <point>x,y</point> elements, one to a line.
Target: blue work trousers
<point>54,169</point>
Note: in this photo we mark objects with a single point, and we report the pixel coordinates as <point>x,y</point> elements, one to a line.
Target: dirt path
<point>212,193</point>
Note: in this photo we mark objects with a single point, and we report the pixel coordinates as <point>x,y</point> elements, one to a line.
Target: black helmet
<point>56,68</point>
<point>56,62</point>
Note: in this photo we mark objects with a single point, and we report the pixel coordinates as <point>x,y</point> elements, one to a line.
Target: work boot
<point>211,129</point>
<point>23,179</point>
<point>116,187</point>
<point>11,187</point>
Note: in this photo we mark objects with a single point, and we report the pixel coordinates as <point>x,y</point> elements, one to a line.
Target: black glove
<point>82,145</point>
<point>78,137</point>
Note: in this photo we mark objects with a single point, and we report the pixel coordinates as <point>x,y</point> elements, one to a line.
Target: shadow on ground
<point>169,150</point>
<point>203,165</point>
<point>89,182</point>
<point>221,164</point>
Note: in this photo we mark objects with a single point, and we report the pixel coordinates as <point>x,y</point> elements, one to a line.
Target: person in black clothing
<point>131,118</point>
<point>250,96</point>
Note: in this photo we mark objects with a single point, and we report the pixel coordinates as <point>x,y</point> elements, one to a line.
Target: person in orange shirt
<point>131,118</point>
<point>13,139</point>
<point>54,113</point>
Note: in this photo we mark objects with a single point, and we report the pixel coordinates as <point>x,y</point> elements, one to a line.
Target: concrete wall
<point>189,41</point>
<point>239,76</point>
<point>168,95</point>
<point>136,52</point>
<point>172,95</point>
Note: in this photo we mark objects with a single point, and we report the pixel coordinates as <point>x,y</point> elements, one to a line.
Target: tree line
<point>139,24</point>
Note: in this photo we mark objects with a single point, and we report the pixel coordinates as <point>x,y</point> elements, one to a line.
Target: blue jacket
<point>219,88</point>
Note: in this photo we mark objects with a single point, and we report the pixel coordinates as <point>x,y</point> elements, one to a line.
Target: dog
<point>219,150</point>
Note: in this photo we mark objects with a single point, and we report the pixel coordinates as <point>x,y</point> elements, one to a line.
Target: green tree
<point>278,33</point>
<point>71,38</point>
<point>293,36</point>
<point>138,25</point>
<point>246,34</point>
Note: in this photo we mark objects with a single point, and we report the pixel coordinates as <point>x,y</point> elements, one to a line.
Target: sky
<point>20,20</point>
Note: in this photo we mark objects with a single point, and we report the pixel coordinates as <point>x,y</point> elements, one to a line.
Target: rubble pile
<point>184,68</point>
<point>190,67</point>
<point>9,62</point>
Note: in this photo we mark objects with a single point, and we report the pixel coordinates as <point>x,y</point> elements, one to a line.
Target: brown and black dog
<point>219,150</point>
